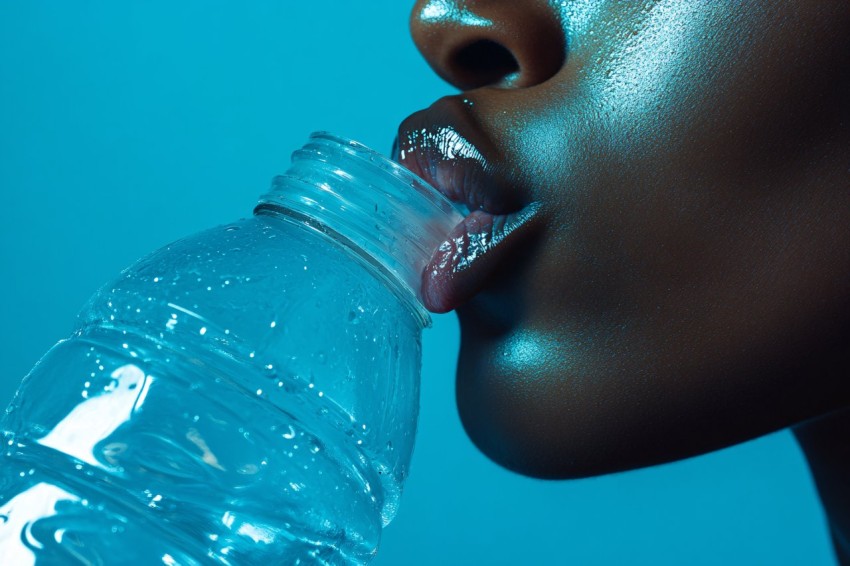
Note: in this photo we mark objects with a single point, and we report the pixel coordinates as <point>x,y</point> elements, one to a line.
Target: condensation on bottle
<point>246,394</point>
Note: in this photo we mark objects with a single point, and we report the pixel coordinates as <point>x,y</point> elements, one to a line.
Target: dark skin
<point>687,283</point>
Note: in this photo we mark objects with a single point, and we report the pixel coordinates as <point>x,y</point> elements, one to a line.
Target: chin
<point>523,404</point>
<point>564,404</point>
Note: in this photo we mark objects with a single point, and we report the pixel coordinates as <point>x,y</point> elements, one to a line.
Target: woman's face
<point>659,264</point>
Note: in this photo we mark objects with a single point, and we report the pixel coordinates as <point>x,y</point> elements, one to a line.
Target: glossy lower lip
<point>439,144</point>
<point>464,264</point>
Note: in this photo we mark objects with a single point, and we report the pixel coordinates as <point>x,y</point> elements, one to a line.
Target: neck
<point>825,443</point>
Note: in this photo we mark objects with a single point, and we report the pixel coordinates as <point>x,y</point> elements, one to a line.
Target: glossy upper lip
<point>443,145</point>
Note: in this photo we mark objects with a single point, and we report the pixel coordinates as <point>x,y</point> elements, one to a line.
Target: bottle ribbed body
<point>244,394</point>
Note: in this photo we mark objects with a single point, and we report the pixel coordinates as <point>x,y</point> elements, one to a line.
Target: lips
<point>443,146</point>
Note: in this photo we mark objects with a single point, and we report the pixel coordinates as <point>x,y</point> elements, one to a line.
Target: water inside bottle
<point>250,419</point>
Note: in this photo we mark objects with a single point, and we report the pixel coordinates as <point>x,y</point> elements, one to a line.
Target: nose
<point>475,43</point>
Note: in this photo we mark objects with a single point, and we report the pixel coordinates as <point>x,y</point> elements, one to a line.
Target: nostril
<point>491,43</point>
<point>484,62</point>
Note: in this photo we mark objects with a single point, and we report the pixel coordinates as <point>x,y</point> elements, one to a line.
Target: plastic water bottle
<point>247,395</point>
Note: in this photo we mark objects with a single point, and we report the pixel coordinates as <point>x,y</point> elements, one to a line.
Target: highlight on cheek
<point>643,73</point>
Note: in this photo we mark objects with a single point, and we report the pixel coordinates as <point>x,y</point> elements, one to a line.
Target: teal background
<point>123,127</point>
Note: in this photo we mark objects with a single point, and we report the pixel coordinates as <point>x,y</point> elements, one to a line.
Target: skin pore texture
<point>678,279</point>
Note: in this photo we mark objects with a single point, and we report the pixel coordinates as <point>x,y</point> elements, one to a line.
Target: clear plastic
<point>246,394</point>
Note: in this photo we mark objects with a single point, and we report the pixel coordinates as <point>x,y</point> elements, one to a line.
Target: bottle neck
<point>371,205</point>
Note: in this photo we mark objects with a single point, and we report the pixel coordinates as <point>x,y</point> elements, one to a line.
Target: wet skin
<point>684,281</point>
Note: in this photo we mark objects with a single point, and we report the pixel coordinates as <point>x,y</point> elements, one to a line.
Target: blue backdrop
<point>123,127</point>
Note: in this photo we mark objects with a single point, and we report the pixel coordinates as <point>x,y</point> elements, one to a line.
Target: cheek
<point>555,406</point>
